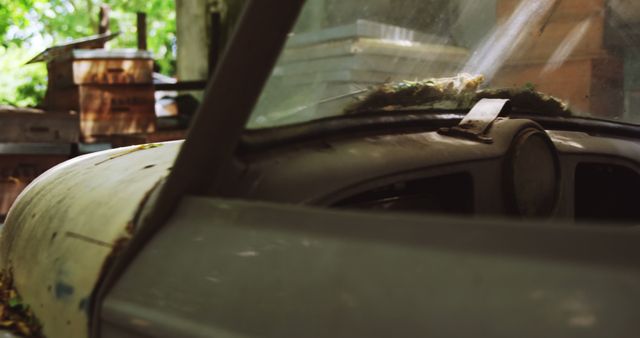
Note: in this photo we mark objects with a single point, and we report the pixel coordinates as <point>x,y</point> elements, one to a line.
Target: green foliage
<point>29,26</point>
<point>12,14</point>
<point>62,20</point>
<point>20,85</point>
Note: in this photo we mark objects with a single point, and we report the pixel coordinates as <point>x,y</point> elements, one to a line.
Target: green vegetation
<point>22,86</point>
<point>29,26</point>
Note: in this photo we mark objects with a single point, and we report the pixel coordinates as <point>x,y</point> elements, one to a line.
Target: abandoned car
<point>379,172</point>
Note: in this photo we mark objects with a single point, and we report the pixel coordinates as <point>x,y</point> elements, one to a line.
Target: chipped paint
<point>63,290</point>
<point>96,208</point>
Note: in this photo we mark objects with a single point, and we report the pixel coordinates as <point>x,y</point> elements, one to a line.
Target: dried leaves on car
<point>459,92</point>
<point>15,316</point>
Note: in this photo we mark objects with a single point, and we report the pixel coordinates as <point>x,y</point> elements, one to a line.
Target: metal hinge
<point>476,123</point>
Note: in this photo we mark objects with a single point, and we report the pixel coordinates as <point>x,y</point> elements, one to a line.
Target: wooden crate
<point>17,171</point>
<point>590,84</point>
<point>565,9</point>
<point>34,126</point>
<point>106,110</point>
<point>588,76</point>
<point>31,142</point>
<point>100,67</point>
<point>112,91</point>
<point>543,41</point>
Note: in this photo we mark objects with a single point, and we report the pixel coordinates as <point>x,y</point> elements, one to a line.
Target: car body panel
<point>286,270</point>
<point>91,217</point>
<point>67,223</point>
<point>247,269</point>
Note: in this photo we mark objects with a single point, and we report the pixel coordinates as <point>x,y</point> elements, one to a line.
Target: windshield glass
<point>346,57</point>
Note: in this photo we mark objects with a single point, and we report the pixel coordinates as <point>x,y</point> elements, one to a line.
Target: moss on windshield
<point>455,93</point>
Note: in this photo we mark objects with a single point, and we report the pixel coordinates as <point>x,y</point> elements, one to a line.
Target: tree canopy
<point>29,26</point>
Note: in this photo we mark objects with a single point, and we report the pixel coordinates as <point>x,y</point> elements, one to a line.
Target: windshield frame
<point>219,122</point>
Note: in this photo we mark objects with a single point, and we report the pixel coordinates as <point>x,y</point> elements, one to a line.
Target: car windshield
<point>345,57</point>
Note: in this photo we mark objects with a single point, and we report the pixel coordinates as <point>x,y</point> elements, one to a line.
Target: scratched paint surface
<point>65,224</point>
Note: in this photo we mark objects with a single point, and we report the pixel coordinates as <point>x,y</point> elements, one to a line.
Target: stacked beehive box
<point>112,91</point>
<point>321,71</point>
<point>585,73</point>
<point>31,141</point>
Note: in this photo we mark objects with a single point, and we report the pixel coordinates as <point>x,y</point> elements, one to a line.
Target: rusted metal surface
<point>88,205</point>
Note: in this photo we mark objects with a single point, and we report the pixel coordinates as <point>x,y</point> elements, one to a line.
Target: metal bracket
<point>477,122</point>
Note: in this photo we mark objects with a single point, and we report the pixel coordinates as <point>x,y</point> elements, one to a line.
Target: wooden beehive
<point>21,165</point>
<point>583,71</point>
<point>589,84</point>
<point>112,91</point>
<point>31,141</point>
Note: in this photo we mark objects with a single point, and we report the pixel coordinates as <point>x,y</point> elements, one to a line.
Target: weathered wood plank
<point>17,171</point>
<point>38,127</point>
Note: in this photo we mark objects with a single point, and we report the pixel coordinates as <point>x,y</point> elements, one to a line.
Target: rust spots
<point>118,247</point>
<point>130,151</point>
<point>130,228</point>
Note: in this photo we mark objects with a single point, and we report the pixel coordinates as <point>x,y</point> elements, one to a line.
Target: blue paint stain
<point>63,290</point>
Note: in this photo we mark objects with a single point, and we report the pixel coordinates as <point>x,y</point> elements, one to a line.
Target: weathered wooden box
<point>21,163</point>
<point>107,110</point>
<point>567,56</point>
<point>579,24</point>
<point>99,67</point>
<point>322,71</point>
<point>31,142</point>
<point>36,126</point>
<point>589,84</point>
<point>112,91</point>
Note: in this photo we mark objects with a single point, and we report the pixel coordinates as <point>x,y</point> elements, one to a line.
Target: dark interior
<point>448,194</point>
<point>606,193</point>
